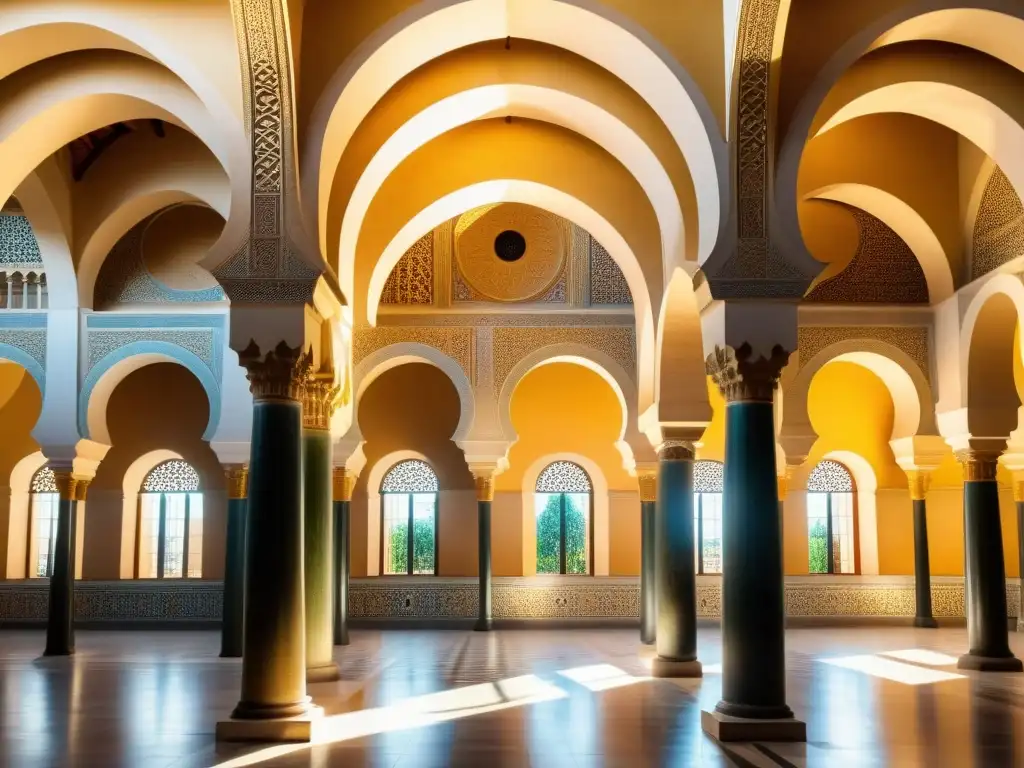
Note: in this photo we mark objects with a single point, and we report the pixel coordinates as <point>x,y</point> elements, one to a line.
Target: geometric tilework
<point>607,283</point>
<point>18,244</point>
<point>514,598</point>
<point>998,235</point>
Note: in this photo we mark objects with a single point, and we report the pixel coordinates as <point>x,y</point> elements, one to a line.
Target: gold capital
<point>484,486</point>
<point>742,379</point>
<point>237,480</point>
<point>81,487</point>
<point>65,482</point>
<point>648,484</point>
<point>918,481</point>
<point>278,375</point>
<point>676,450</point>
<point>343,482</point>
<point>319,400</point>
<point>978,465</point>
<point>1018,488</point>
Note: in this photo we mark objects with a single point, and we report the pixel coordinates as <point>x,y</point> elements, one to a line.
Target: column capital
<point>343,483</point>
<point>1018,487</point>
<point>979,464</point>
<point>677,450</point>
<point>784,479</point>
<point>320,399</point>
<point>647,483</point>
<point>237,478</point>
<point>484,486</point>
<point>918,481</point>
<point>741,378</point>
<point>65,482</point>
<point>278,375</point>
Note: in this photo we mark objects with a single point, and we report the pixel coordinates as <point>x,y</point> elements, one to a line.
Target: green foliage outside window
<point>549,535</point>
<point>818,545</point>
<point>422,548</point>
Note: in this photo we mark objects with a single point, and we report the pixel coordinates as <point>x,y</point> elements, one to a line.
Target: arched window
<point>708,484</point>
<point>409,493</point>
<point>170,530</point>
<point>44,504</point>
<point>830,518</point>
<point>564,530</point>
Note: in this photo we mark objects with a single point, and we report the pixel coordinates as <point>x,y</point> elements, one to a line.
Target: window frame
<point>698,516</point>
<point>161,538</point>
<point>830,564</point>
<point>562,511</point>
<point>32,550</point>
<point>410,556</point>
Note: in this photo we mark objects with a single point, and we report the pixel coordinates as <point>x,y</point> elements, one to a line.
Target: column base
<point>248,711</point>
<point>925,622</point>
<point>59,652</point>
<point>483,625</point>
<point>728,728</point>
<point>989,663</point>
<point>298,728</point>
<point>669,668</point>
<point>323,673</point>
<point>341,639</point>
<point>651,640</point>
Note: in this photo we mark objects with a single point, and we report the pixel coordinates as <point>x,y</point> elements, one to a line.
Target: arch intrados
<point>799,128</point>
<point>24,471</point>
<point>906,222</point>
<point>52,236</point>
<point>97,399</point>
<point>1003,288</point>
<point>906,382</point>
<point>574,354</point>
<point>429,30</point>
<point>392,356</point>
<point>524,101</point>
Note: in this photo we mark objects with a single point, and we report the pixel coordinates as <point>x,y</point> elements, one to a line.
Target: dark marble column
<point>232,635</point>
<point>753,705</point>
<point>484,499</point>
<point>648,484</point>
<point>675,580</point>
<point>60,619</point>
<point>984,569</point>
<point>344,482</point>
<point>319,553</point>
<point>274,664</point>
<point>918,483</point>
<point>1018,498</point>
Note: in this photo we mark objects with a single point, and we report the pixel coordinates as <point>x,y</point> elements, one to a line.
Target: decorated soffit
<point>507,254</point>
<point>883,270</point>
<point>998,228</point>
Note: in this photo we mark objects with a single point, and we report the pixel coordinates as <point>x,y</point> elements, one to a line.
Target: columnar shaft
<point>232,633</point>
<point>344,481</point>
<point>648,483</point>
<point>319,556</point>
<point>60,620</point>
<point>484,499</point>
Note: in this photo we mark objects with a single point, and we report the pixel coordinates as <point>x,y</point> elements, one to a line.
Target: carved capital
<point>648,485</point>
<point>676,450</point>
<point>484,486</point>
<point>1018,489</point>
<point>81,487</point>
<point>784,480</point>
<point>237,480</point>
<point>343,483</point>
<point>742,379</point>
<point>279,375</point>
<point>918,481</point>
<point>978,465</point>
<point>319,400</point>
<point>65,483</point>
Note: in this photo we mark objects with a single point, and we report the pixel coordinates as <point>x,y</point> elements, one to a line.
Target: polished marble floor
<point>560,698</point>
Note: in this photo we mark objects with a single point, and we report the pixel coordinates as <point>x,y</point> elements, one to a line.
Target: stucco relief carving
<point>607,283</point>
<point>458,343</point>
<point>513,344</point>
<point>30,341</point>
<point>883,270</point>
<point>18,244</point>
<point>412,279</point>
<point>911,340</point>
<point>266,268</point>
<point>999,226</point>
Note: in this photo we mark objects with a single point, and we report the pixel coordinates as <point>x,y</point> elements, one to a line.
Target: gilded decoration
<point>484,486</point>
<point>343,482</point>
<point>278,375</point>
<point>457,342</point>
<point>236,478</point>
<point>978,465</point>
<point>883,269</point>
<point>757,269</point>
<point>412,279</point>
<point>65,482</point>
<point>918,481</point>
<point>266,266</point>
<point>743,379</point>
<point>512,344</point>
<point>320,398</point>
<point>647,483</point>
<point>1018,490</point>
<point>81,488</point>
<point>911,340</point>
<point>527,272</point>
<point>999,226</point>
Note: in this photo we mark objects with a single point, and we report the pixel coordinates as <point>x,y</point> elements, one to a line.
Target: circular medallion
<point>510,252</point>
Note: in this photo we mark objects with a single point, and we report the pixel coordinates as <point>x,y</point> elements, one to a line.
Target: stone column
<point>344,483</point>
<point>753,705</point>
<point>918,481</point>
<point>675,580</point>
<point>984,569</point>
<point>231,638</point>
<point>647,481</point>
<point>484,498</point>
<point>274,664</point>
<point>319,397</point>
<point>60,619</point>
